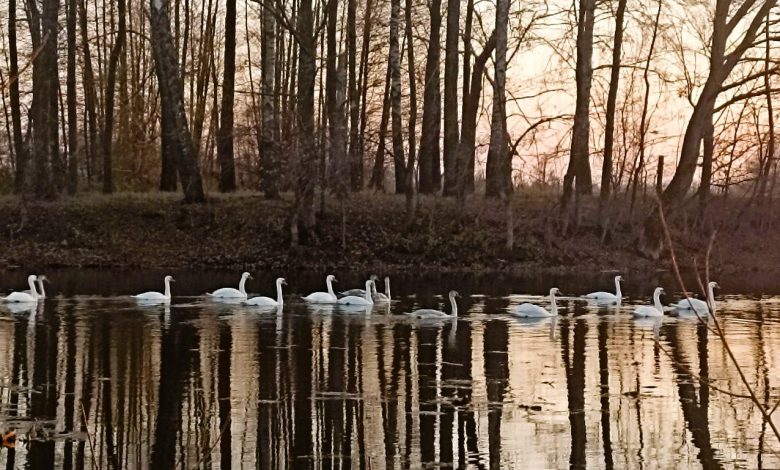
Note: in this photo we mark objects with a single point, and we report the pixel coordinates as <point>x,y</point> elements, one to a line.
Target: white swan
<point>353,300</point>
<point>153,296</point>
<point>359,292</point>
<point>655,310</point>
<point>30,297</point>
<point>267,301</point>
<point>697,305</point>
<point>324,297</point>
<point>527,310</point>
<point>429,313</point>
<point>39,282</point>
<point>608,297</point>
<point>231,293</point>
<point>378,296</point>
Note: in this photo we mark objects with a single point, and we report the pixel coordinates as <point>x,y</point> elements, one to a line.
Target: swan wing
<point>321,298</point>
<point>647,311</point>
<point>531,311</point>
<point>690,304</point>
<point>20,297</point>
<point>355,292</point>
<point>227,292</point>
<point>151,296</point>
<point>262,301</point>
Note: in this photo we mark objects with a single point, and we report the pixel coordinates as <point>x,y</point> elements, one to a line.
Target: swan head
<point>331,278</point>
<point>713,285</point>
<point>32,278</point>
<point>374,277</point>
<point>246,276</point>
<point>281,281</point>
<point>619,279</point>
<point>555,291</point>
<point>659,291</point>
<point>454,294</point>
<point>42,278</point>
<point>169,279</point>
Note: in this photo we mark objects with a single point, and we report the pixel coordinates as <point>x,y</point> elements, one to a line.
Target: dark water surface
<point>90,376</point>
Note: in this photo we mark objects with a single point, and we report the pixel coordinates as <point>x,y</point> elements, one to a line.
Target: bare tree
<point>395,96</point>
<point>498,176</point>
<point>614,83</point>
<point>119,42</point>
<point>171,93</point>
<point>431,121</point>
<point>20,150</point>
<point>270,164</point>
<point>227,167</point>
<point>451,99</point>
<point>579,161</point>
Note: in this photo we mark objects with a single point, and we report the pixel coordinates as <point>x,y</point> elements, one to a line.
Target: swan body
<point>40,289</point>
<point>324,297</point>
<point>153,296</point>
<point>429,313</point>
<point>655,310</point>
<point>267,301</point>
<point>608,297</point>
<point>359,292</point>
<point>24,297</point>
<point>527,310</point>
<point>231,293</point>
<point>699,306</point>
<point>353,300</point>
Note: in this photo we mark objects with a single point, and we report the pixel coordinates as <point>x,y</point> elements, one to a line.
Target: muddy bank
<point>249,232</point>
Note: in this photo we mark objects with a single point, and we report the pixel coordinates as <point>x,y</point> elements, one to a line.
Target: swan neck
<point>33,290</point>
<point>167,288</point>
<point>553,303</point>
<point>279,292</point>
<point>387,288</point>
<point>42,290</point>
<point>242,286</point>
<point>330,287</point>
<point>617,289</point>
<point>657,301</point>
<point>370,287</point>
<point>454,306</point>
<point>711,297</point>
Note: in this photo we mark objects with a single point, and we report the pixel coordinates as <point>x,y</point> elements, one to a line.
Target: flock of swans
<point>366,298</point>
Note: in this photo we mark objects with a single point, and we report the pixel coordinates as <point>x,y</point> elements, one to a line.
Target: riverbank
<point>245,231</point>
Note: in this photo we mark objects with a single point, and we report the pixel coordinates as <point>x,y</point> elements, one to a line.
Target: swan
<point>353,300</point>
<point>324,297</point>
<point>229,292</point>
<point>39,282</point>
<point>608,297</point>
<point>359,292</point>
<point>30,297</point>
<point>267,301</point>
<point>655,310</point>
<point>153,296</point>
<point>428,313</point>
<point>378,296</point>
<point>697,305</point>
<point>527,310</point>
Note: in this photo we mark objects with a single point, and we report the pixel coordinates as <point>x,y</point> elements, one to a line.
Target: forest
<point>595,103</point>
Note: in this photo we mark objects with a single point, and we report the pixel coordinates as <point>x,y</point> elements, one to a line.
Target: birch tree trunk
<point>270,165</point>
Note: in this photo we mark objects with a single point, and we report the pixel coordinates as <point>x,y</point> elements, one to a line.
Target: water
<point>92,377</point>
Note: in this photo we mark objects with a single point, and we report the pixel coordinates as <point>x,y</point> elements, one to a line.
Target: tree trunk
<point>108,179</point>
<point>305,166</point>
<point>497,181</point>
<point>431,121</point>
<point>90,94</point>
<point>378,173</point>
<point>579,161</point>
<point>20,150</point>
<point>410,164</point>
<point>469,126</point>
<point>467,52</point>
<point>451,177</point>
<point>335,107</point>
<point>355,150</point>
<point>227,167</point>
<point>171,95</point>
<point>395,96</point>
<point>270,165</point>
<point>73,130</point>
<point>614,82</point>
<point>368,22</point>
<point>708,151</point>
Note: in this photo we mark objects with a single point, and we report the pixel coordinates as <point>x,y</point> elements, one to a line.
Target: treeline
<point>435,97</point>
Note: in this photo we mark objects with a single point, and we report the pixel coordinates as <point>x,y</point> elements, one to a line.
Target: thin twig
<point>720,333</point>
<point>89,436</point>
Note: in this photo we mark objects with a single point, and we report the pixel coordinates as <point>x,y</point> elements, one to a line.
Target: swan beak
<point>173,280</point>
<point>284,283</point>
